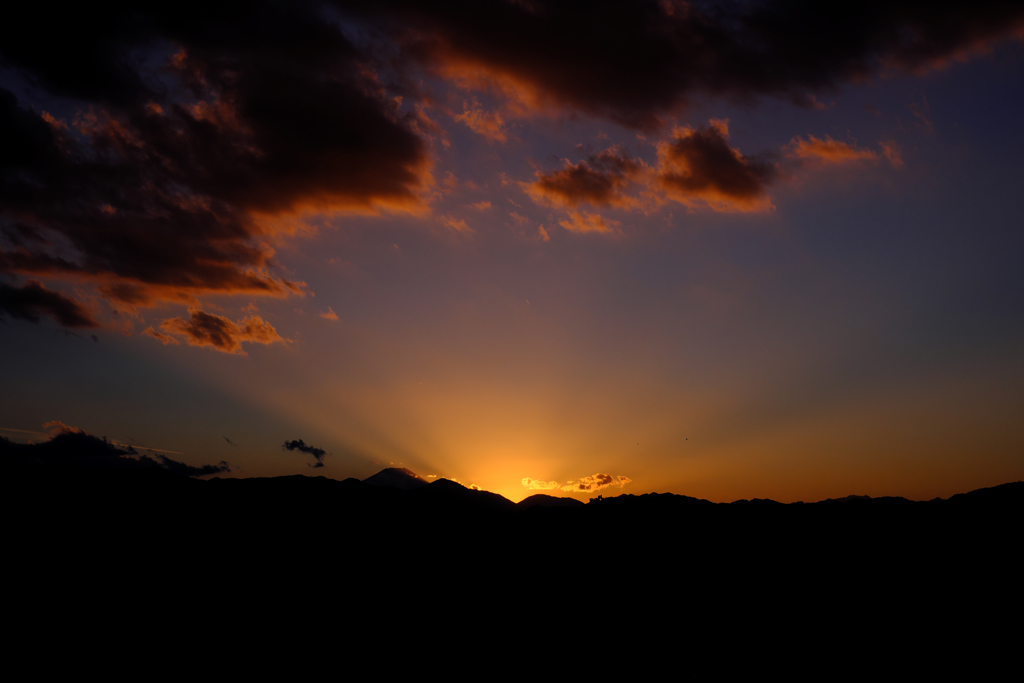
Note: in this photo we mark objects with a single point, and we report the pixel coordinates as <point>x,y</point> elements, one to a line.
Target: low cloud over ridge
<point>589,484</point>
<point>595,482</point>
<point>70,450</point>
<point>535,485</point>
<point>301,446</point>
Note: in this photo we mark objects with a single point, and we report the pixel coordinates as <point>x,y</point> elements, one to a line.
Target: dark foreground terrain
<point>324,532</point>
<point>659,571</point>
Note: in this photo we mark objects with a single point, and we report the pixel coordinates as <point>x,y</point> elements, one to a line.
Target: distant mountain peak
<point>442,483</point>
<point>447,492</point>
<point>847,499</point>
<point>545,501</point>
<point>397,477</point>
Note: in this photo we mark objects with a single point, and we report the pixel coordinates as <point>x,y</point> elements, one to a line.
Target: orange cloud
<point>828,151</point>
<point>329,314</point>
<point>450,181</point>
<point>489,124</point>
<point>892,153</point>
<point>595,483</point>
<point>587,222</point>
<point>599,180</point>
<point>205,329</point>
<point>535,485</point>
<point>699,168</point>
<point>519,97</point>
<point>456,225</point>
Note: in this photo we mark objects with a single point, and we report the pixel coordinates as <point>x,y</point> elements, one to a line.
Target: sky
<point>728,250</point>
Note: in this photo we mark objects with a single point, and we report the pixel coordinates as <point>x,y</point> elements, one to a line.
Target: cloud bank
<point>637,62</point>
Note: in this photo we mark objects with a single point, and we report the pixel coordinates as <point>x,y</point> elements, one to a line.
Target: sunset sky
<point>729,250</point>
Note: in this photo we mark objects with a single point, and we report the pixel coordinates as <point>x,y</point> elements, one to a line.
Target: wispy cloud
<point>489,124</point>
<point>828,150</point>
<point>456,225</point>
<point>583,222</point>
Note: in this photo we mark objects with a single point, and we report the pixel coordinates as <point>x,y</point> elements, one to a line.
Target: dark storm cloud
<point>73,450</point>
<point>156,153</point>
<point>32,300</point>
<point>633,61</point>
<point>300,445</point>
<point>195,129</point>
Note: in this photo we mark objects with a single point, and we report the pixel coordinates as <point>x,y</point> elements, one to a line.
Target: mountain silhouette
<point>450,496</point>
<point>847,499</point>
<point>543,500</point>
<point>639,556</point>
<point>397,477</point>
<point>89,518</point>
